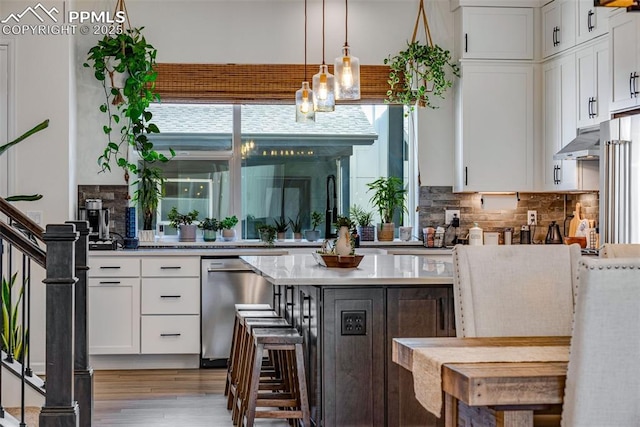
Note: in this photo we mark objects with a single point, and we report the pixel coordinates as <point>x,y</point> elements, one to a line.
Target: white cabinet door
<point>494,132</point>
<point>558,26</point>
<point>510,35</point>
<point>114,315</point>
<point>592,21</point>
<point>559,122</point>
<point>623,39</point>
<point>592,64</point>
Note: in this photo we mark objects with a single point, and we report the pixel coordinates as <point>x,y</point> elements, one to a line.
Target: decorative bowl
<point>338,261</point>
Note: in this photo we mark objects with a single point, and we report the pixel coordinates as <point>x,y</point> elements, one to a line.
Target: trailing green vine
<point>128,116</point>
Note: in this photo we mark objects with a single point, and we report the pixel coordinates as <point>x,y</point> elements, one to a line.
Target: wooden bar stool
<point>291,402</point>
<point>270,369</point>
<point>234,360</point>
<point>240,307</point>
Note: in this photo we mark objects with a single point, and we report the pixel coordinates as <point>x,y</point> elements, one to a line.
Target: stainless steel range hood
<point>586,146</point>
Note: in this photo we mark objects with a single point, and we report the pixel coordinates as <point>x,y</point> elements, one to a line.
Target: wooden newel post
<point>83,373</point>
<point>60,409</point>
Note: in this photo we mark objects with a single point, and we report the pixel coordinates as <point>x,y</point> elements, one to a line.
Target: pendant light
<point>347,67</point>
<point>304,96</point>
<point>323,83</point>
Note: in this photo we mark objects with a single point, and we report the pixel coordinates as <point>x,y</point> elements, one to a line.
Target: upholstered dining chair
<point>603,379</point>
<point>514,290</point>
<point>620,250</point>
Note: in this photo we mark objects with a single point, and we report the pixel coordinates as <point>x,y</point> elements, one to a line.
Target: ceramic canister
<point>475,235</point>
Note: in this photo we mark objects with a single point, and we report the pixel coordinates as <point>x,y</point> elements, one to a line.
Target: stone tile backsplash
<point>549,206</point>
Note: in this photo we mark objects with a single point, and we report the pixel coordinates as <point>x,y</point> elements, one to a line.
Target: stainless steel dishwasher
<point>226,282</point>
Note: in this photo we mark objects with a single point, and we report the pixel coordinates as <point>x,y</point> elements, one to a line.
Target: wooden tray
<point>338,261</point>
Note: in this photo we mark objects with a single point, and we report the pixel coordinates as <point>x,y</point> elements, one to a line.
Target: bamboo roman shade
<point>253,83</point>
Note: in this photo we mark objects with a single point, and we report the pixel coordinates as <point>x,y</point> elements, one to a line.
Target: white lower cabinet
<point>114,305</point>
<point>144,305</point>
<point>170,305</point>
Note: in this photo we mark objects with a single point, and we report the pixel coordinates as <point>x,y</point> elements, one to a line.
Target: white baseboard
<point>145,361</point>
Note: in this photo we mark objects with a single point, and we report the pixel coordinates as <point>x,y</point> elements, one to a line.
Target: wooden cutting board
<point>575,221</point>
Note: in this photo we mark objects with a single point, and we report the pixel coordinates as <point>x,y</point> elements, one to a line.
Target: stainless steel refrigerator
<point>620,180</point>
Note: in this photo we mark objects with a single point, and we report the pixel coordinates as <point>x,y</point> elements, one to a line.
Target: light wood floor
<point>163,398</point>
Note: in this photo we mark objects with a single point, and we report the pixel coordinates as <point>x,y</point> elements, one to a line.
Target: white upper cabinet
<point>494,32</point>
<point>624,30</point>
<point>593,84</point>
<point>494,132</point>
<point>559,122</point>
<point>558,26</point>
<point>592,21</point>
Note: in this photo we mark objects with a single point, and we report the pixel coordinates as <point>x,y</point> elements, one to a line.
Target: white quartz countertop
<point>374,269</point>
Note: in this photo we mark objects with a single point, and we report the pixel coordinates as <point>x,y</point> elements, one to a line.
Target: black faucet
<point>332,213</point>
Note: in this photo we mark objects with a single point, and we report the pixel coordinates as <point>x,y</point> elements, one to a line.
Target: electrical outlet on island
<point>532,217</point>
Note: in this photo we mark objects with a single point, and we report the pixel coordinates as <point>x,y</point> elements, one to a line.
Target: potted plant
<point>296,227</point>
<point>11,332</point>
<point>364,223</point>
<point>419,73</point>
<point>313,234</point>
<point>184,224</point>
<point>226,225</point>
<point>267,233</point>
<point>388,197</point>
<point>126,104</point>
<point>210,227</point>
<point>281,227</point>
<point>149,191</point>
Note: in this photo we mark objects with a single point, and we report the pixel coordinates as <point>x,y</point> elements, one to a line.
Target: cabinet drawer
<point>165,295</point>
<point>114,267</point>
<point>170,334</point>
<point>171,267</point>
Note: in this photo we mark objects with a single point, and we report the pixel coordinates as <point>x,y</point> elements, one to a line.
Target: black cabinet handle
<point>555,176</point>
<point>170,296</point>
<point>170,267</point>
<point>466,176</point>
<point>557,35</point>
<point>631,85</point>
<point>559,176</point>
<point>466,43</point>
<point>590,26</point>
<point>635,88</point>
<point>555,43</point>
<point>110,267</point>
<point>110,283</point>
<point>591,115</point>
<point>170,335</point>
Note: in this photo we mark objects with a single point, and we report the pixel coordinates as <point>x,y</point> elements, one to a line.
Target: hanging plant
<point>421,71</point>
<point>126,105</point>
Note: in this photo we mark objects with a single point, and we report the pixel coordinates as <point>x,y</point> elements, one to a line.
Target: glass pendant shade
<point>324,91</point>
<point>347,78</point>
<point>304,104</point>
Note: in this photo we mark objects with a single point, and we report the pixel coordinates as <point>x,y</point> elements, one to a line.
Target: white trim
<point>9,158</point>
<point>235,166</point>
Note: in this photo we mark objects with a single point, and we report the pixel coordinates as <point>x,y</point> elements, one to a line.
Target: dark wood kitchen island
<point>348,318</point>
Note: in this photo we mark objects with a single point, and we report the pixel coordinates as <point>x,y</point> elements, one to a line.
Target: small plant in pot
<point>314,234</point>
<point>344,244</point>
<point>296,227</point>
<point>210,227</point>
<point>388,197</point>
<point>184,224</point>
<point>364,223</point>
<point>267,233</point>
<point>226,225</point>
<point>281,227</point>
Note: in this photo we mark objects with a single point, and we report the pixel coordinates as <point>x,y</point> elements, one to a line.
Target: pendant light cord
<point>305,40</point>
<point>346,22</point>
<point>323,32</point>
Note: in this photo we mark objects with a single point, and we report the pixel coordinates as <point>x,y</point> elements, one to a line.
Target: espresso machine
<point>98,219</point>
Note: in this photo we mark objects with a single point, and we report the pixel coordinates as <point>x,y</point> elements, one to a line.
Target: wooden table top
<point>501,383</point>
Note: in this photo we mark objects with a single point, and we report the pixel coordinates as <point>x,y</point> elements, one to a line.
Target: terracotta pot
<point>229,235</point>
<point>386,232</point>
